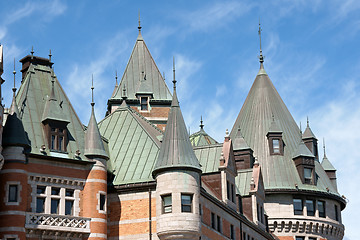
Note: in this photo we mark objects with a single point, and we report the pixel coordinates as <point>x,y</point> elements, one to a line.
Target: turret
<point>304,162</point>
<point>310,140</point>
<point>244,158</point>
<point>177,172</point>
<point>329,168</point>
<point>95,190</point>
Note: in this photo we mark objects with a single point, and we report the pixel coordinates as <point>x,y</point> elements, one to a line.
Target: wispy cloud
<point>214,16</point>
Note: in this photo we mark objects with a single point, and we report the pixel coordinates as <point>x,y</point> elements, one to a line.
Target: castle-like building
<point>137,174</point>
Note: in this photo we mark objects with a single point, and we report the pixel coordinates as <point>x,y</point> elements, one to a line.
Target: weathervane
<point>92,90</point>
<point>174,81</point>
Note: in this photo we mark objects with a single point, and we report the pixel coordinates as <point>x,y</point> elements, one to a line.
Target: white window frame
<point>10,236</point>
<point>98,205</point>
<point>6,198</point>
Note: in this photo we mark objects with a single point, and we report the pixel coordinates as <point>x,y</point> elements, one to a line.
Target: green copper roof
<point>141,65</point>
<point>239,142</point>
<point>201,138</point>
<point>303,151</point>
<point>326,164</point>
<point>133,145</point>
<point>209,157</point>
<point>176,151</point>
<point>32,97</point>
<point>262,104</point>
<point>94,146</point>
<point>243,180</point>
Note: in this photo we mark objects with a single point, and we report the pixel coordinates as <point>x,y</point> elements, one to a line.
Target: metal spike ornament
<point>261,57</point>
<point>92,91</point>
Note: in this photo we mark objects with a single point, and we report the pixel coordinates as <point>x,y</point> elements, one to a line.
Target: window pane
<point>167,204</point>
<point>219,224</point>
<point>61,139</point>
<point>213,220</point>
<point>232,235</point>
<point>186,203</point>
<point>144,104</point>
<point>40,189</point>
<point>321,208</point>
<point>55,206</point>
<point>307,173</point>
<point>276,145</point>
<point>310,207</point>
<point>299,238</point>
<point>102,202</point>
<point>69,192</point>
<point>336,213</point>
<point>55,191</point>
<point>298,206</point>
<point>40,205</point>
<point>69,207</point>
<point>52,142</point>
<point>13,191</point>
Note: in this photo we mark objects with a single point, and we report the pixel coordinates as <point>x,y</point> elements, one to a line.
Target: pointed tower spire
<point>139,27</point>
<point>32,52</point>
<point>324,148</point>
<point>261,57</point>
<point>14,108</point>
<point>176,151</point>
<point>116,79</point>
<point>94,146</point>
<point>201,123</point>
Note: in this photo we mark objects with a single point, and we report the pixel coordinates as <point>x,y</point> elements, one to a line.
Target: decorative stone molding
<point>57,224</point>
<point>295,226</point>
<point>57,180</point>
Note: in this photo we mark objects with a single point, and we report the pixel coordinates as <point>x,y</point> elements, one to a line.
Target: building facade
<point>137,174</point>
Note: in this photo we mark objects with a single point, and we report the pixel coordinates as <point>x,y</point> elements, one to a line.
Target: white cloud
<point>216,15</point>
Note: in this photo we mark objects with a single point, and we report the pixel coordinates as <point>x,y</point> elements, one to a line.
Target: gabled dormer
<point>54,122</point>
<point>242,152</point>
<point>310,140</point>
<point>228,172</point>
<point>144,94</point>
<point>275,140</point>
<point>305,165</point>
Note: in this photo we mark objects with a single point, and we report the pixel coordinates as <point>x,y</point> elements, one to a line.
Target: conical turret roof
<point>94,146</point>
<point>176,151</point>
<point>308,133</point>
<point>201,138</point>
<point>326,164</point>
<point>303,151</point>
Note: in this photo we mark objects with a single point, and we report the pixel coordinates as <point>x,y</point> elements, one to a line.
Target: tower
<point>95,189</point>
<point>177,173</point>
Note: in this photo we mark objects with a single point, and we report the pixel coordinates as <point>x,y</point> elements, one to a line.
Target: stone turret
<point>310,141</point>
<point>177,172</point>
<point>95,190</point>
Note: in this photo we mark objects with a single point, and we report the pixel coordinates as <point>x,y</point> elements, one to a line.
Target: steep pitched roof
<point>308,133</point>
<point>201,138</point>
<point>141,65</point>
<point>208,156</point>
<point>239,142</point>
<point>303,151</point>
<point>255,118</point>
<point>176,151</point>
<point>134,145</point>
<point>326,164</point>
<point>33,92</point>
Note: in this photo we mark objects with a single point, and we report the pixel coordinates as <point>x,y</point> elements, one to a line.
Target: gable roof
<point>134,145</point>
<point>141,65</point>
<point>201,138</point>
<point>209,157</point>
<point>32,97</point>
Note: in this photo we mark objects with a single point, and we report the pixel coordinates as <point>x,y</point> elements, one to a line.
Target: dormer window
<point>276,146</point>
<point>144,103</point>
<point>57,141</point>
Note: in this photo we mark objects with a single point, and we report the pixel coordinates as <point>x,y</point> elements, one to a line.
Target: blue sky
<point>311,48</point>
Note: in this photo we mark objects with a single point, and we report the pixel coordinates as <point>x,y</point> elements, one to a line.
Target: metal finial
<point>227,133</point>
<point>261,57</point>
<point>124,92</point>
<point>324,147</point>
<point>50,55</point>
<point>164,76</point>
<point>300,129</point>
<point>201,123</point>
<point>174,81</point>
<point>139,27</point>
<point>116,78</point>
<point>307,121</point>
<point>32,52</point>
<point>14,72</point>
<point>92,90</point>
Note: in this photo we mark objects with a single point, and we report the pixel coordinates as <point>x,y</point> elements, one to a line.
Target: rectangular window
<point>218,226</point>
<point>299,238</point>
<point>166,204</point>
<point>186,203</point>
<point>102,201</point>
<point>310,207</point>
<point>232,193</point>
<point>228,190</point>
<point>336,213</point>
<point>40,202</point>
<point>244,235</point>
<point>40,189</point>
<point>69,207</point>
<point>321,209</point>
<point>144,103</point>
<point>276,145</point>
<point>312,238</point>
<point>69,192</point>
<point>55,205</point>
<point>262,214</point>
<point>308,175</point>
<point>13,193</point>
<point>55,191</point>
<point>258,212</point>
<point>213,224</point>
<point>232,232</point>
<point>298,206</point>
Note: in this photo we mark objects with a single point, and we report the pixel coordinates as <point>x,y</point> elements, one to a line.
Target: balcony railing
<point>58,223</point>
